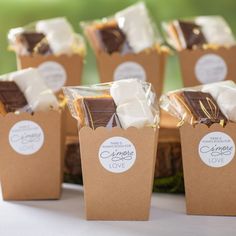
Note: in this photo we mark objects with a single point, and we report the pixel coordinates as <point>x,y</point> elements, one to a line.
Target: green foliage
<point>171,184</point>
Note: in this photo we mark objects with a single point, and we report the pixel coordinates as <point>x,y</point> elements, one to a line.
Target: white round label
<point>53,74</point>
<point>26,137</point>
<point>129,70</point>
<point>216,149</point>
<point>117,154</point>
<point>210,68</point>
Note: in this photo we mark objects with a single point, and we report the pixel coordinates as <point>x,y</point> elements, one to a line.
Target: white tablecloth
<point>66,217</point>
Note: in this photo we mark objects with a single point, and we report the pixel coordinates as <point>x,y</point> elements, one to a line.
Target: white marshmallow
<point>226,103</point>
<point>59,34</point>
<point>135,113</point>
<point>60,42</point>
<point>59,24</point>
<point>216,30</point>
<point>137,25</point>
<point>123,91</point>
<point>132,103</point>
<point>24,78</point>
<point>224,94</point>
<point>215,88</point>
<point>37,94</point>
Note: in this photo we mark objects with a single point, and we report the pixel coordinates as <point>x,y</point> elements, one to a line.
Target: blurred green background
<point>15,13</point>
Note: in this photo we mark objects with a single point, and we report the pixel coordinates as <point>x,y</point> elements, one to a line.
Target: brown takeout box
<point>67,68</point>
<point>148,65</point>
<point>209,164</point>
<point>202,66</point>
<point>118,183</point>
<point>31,156</point>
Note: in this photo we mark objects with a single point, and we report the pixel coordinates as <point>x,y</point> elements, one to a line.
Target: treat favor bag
<point>207,130</point>
<point>31,138</point>
<point>118,172</point>
<point>56,50</point>
<point>117,165</point>
<point>31,156</point>
<point>206,49</point>
<point>128,47</point>
<point>209,163</point>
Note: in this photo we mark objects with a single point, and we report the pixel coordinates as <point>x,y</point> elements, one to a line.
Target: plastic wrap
<point>122,103</point>
<point>198,32</point>
<point>51,36</point>
<point>208,104</point>
<point>124,32</point>
<point>25,91</point>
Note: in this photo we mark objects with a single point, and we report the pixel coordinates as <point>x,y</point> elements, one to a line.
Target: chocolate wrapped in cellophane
<point>198,32</point>
<point>207,104</point>
<point>25,91</point>
<point>46,37</point>
<point>122,103</point>
<point>124,32</point>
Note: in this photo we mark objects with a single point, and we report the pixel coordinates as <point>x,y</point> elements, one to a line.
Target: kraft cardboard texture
<point>211,69</point>
<point>118,196</point>
<point>151,63</point>
<point>36,176</point>
<point>73,66</point>
<point>209,190</point>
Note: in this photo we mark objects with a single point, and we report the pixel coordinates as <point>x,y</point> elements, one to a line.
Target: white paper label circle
<point>216,149</point>
<point>53,74</point>
<point>210,68</point>
<point>117,154</point>
<point>26,137</point>
<point>129,70</point>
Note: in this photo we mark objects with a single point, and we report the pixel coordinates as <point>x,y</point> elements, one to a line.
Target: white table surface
<point>66,217</point>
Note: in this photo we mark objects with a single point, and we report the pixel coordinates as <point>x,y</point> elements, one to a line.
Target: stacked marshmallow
<point>59,34</point>
<point>135,22</point>
<point>37,94</point>
<point>224,94</point>
<point>216,30</point>
<point>132,104</point>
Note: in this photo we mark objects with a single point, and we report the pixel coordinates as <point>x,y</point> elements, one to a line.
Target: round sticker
<point>54,75</point>
<point>129,70</point>
<point>117,154</point>
<point>210,68</point>
<point>26,137</point>
<point>216,149</point>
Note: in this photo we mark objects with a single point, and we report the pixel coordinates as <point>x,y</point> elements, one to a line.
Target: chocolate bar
<point>11,96</point>
<point>100,111</point>
<point>31,39</point>
<point>192,34</point>
<point>112,39</point>
<point>204,108</point>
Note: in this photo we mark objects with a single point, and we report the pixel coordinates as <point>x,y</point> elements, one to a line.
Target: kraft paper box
<point>147,66</point>
<point>209,164</point>
<point>58,71</point>
<point>118,171</point>
<point>31,156</point>
<point>201,66</point>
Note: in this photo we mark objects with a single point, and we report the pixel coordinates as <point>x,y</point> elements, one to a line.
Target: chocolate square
<point>192,34</point>
<point>11,96</point>
<point>204,108</point>
<point>31,39</point>
<point>112,39</point>
<point>100,111</point>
